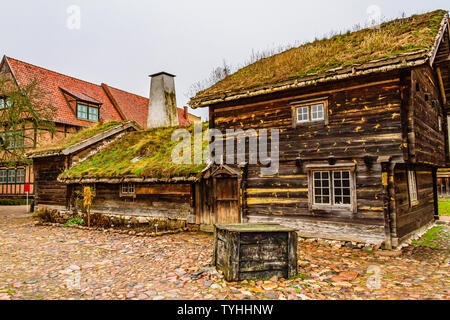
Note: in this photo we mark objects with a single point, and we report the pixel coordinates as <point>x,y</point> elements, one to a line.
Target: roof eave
<point>5,59</point>
<point>378,66</point>
<point>438,39</point>
<point>85,143</point>
<point>129,179</point>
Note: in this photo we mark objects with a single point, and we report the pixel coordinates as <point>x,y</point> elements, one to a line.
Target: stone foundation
<point>320,229</point>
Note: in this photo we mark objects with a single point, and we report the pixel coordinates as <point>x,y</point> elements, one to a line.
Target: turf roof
<point>140,154</point>
<point>60,144</point>
<point>401,36</point>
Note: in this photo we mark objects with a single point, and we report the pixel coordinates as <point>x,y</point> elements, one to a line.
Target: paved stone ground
<point>38,262</point>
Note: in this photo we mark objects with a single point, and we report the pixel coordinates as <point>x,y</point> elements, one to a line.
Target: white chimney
<point>162,108</point>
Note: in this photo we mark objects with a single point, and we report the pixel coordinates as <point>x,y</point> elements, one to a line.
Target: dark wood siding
<point>151,200</point>
<point>411,217</point>
<point>48,190</point>
<point>364,121</point>
<point>428,141</point>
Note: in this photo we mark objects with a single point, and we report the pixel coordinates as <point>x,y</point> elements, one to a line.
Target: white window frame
<point>332,206</point>
<point>303,113</point>
<point>412,187</point>
<point>317,112</point>
<point>309,105</point>
<point>128,189</point>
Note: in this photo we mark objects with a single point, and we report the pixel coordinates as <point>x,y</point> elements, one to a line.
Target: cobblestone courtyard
<point>38,262</point>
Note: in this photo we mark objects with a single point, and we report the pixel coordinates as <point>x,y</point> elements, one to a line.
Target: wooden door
<point>227,200</point>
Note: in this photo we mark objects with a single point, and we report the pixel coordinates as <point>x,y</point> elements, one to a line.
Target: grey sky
<point>121,42</point>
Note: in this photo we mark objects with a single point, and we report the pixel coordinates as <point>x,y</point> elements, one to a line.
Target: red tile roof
<point>116,104</point>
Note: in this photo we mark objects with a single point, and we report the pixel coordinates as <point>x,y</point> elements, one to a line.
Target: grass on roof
<point>399,36</point>
<point>139,154</point>
<point>61,144</point>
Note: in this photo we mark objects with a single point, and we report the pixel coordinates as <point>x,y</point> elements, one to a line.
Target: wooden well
<point>255,251</point>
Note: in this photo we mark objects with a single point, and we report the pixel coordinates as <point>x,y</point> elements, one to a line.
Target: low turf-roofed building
<point>130,169</point>
<point>135,176</point>
<point>78,104</point>
<point>363,128</point>
<point>51,160</point>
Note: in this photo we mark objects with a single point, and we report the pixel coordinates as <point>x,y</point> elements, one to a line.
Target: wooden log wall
<point>410,217</point>
<point>364,122</point>
<point>156,201</point>
<point>428,143</point>
<point>48,191</point>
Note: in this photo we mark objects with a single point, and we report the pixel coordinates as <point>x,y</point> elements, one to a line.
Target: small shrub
<point>76,221</point>
<point>45,214</point>
<point>97,220</point>
<point>13,202</point>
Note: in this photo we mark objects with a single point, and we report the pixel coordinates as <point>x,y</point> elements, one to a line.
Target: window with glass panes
<point>317,112</point>
<point>302,114</point>
<point>85,112</point>
<point>311,112</point>
<point>3,176</point>
<point>20,176</point>
<point>332,187</point>
<point>93,114</point>
<point>322,194</point>
<point>11,176</point>
<point>412,185</point>
<point>5,103</point>
<point>128,188</point>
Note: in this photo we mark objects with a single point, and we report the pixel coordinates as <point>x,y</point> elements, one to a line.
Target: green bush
<point>76,221</point>
<point>13,202</point>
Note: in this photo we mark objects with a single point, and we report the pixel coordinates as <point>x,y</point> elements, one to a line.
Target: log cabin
<point>363,129</point>
<point>134,176</point>
<point>79,104</point>
<point>130,169</point>
<point>50,160</point>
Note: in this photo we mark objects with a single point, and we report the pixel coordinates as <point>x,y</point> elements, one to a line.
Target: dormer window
<point>85,112</point>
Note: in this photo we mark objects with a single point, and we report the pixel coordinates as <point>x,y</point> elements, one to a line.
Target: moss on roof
<point>64,143</point>
<point>138,154</point>
<point>400,36</point>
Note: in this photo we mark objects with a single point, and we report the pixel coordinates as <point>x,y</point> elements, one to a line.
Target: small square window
<point>93,114</point>
<point>303,114</point>
<point>82,111</point>
<point>128,189</point>
<point>317,112</point>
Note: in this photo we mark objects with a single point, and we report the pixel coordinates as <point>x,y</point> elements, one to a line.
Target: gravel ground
<point>40,262</point>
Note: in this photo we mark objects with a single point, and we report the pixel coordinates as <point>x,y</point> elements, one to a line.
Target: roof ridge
<point>135,94</point>
<point>320,60</point>
<point>52,71</point>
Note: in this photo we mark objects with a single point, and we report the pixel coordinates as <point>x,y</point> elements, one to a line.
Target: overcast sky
<point>121,42</point>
